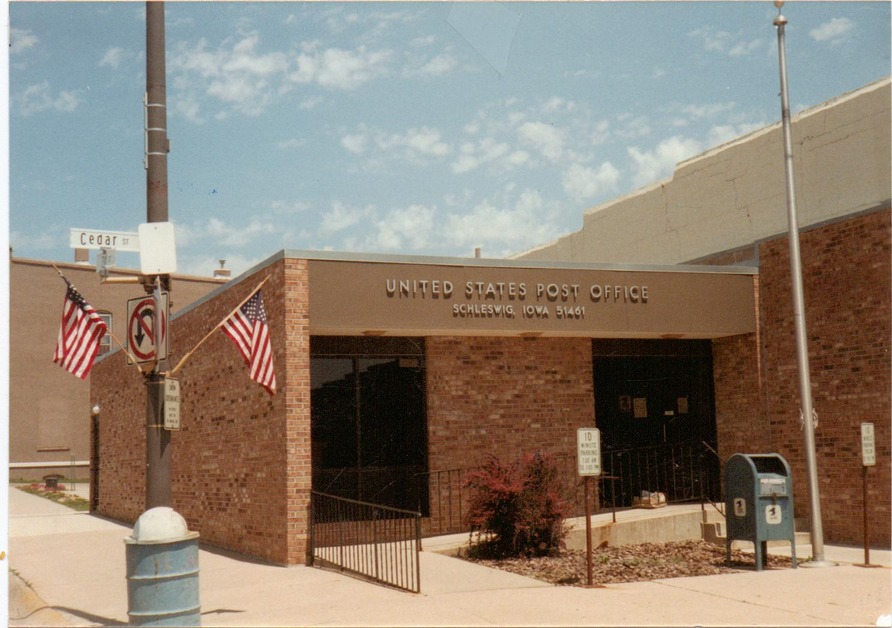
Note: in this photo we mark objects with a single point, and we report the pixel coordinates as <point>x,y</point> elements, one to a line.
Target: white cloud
<point>113,57</point>
<point>416,144</point>
<point>424,67</point>
<point>341,217</point>
<point>187,105</point>
<point>543,137</point>
<point>555,103</point>
<point>732,44</point>
<point>834,31</point>
<point>518,158</point>
<point>421,42</point>
<point>747,47</point>
<point>583,183</point>
<point>21,40</point>
<point>600,133</point>
<point>294,142</point>
<point>356,143</point>
<point>632,127</point>
<point>660,162</point>
<point>290,207</point>
<point>713,40</point>
<point>526,220</point>
<point>311,102</point>
<point>697,112</point>
<point>340,69</point>
<point>474,154</point>
<point>238,236</point>
<point>722,133</point>
<point>39,98</point>
<point>409,228</point>
<point>235,74</point>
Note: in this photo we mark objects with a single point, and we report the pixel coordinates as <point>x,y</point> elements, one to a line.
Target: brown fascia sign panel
<point>416,296</point>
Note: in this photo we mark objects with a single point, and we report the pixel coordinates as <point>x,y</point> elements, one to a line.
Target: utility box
<point>759,503</point>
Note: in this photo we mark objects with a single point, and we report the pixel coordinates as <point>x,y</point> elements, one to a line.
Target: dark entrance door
<point>654,406</point>
<point>369,424</point>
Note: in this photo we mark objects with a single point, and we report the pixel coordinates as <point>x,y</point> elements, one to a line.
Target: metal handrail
<point>679,470</point>
<point>376,542</point>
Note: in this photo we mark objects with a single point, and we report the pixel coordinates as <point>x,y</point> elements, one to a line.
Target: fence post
<point>312,539</point>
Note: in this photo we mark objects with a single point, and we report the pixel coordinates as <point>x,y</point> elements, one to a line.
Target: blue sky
<point>412,128</point>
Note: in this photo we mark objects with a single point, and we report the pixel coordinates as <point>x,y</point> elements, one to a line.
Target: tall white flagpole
<point>807,415</point>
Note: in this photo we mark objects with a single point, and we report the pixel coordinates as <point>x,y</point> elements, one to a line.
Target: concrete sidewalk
<point>75,566</point>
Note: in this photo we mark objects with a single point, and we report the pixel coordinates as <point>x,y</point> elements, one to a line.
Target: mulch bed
<point>634,563</point>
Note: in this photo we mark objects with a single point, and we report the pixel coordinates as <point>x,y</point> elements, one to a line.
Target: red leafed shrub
<point>516,509</point>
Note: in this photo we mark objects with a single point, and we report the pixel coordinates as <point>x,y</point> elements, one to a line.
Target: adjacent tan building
<point>49,409</point>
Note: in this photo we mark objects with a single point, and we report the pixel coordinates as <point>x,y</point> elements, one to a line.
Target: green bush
<point>516,509</point>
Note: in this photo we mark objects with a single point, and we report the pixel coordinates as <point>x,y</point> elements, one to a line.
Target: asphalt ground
<point>68,569</point>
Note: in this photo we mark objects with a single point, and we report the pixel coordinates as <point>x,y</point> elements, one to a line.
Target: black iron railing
<point>372,541</point>
<point>683,472</point>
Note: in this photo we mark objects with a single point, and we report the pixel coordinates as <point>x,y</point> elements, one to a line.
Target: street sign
<point>868,445</point>
<point>588,451</point>
<point>105,259</point>
<point>171,403</point>
<point>92,239</point>
<point>141,328</point>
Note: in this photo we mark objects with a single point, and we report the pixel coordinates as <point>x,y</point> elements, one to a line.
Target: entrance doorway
<point>655,408</point>
<point>369,422</point>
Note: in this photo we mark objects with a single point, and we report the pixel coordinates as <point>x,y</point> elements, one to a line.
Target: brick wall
<point>846,270</point>
<point>506,396</point>
<point>121,394</point>
<point>240,464</point>
<point>741,426</point>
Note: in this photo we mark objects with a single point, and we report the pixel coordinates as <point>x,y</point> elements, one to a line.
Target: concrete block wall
<point>847,285</point>
<point>729,197</point>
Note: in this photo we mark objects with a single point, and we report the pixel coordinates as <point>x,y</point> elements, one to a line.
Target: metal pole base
<point>818,563</point>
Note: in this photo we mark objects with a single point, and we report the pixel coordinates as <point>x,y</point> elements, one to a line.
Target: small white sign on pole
<point>588,451</point>
<point>171,403</point>
<point>157,248</point>
<point>868,445</point>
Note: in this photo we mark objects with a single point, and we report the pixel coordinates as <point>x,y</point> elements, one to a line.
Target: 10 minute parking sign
<point>588,451</point>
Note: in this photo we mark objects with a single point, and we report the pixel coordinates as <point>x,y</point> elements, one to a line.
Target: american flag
<point>80,334</point>
<point>248,329</point>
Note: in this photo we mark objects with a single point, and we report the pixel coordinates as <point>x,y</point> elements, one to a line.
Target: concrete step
<point>644,525</point>
<point>714,532</point>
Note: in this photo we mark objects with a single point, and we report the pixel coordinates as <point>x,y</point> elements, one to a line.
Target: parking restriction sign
<point>141,331</point>
<point>588,454</point>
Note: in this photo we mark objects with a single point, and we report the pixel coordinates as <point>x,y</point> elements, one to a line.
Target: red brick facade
<point>847,275</point>
<point>241,470</point>
<point>506,396</point>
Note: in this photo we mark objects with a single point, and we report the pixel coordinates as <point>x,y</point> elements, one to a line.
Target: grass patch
<point>57,495</point>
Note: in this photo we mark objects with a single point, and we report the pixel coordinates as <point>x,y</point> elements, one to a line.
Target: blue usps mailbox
<point>759,503</point>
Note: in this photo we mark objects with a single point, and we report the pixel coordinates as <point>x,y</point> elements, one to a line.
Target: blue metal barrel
<point>162,573</point>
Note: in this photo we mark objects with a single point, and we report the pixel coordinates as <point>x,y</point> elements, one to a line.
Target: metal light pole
<point>807,411</point>
<point>162,554</point>
<point>158,454</point>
